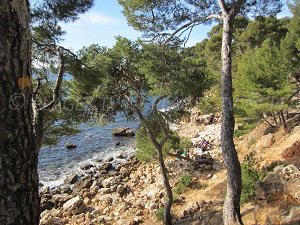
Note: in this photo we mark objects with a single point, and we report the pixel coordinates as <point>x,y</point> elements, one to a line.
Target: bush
<point>160,213</point>
<point>252,141</point>
<point>183,183</point>
<point>250,177</point>
<point>246,128</point>
<point>146,151</point>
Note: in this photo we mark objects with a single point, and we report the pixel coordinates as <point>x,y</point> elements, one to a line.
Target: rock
<point>121,156</point>
<point>70,145</point>
<point>83,184</point>
<point>121,131</point>
<point>106,200</point>
<point>41,185</point>
<point>53,221</point>
<point>209,176</point>
<point>118,143</point>
<point>124,172</point>
<point>293,217</point>
<point>66,190</point>
<point>110,182</point>
<point>97,183</point>
<point>87,167</point>
<point>121,189</point>
<point>60,199</point>
<point>137,220</point>
<point>46,204</point>
<point>282,183</point>
<point>74,205</point>
<point>109,159</point>
<point>104,191</point>
<point>106,166</point>
<point>71,179</point>
<point>99,160</point>
<point>293,151</point>
<point>266,141</point>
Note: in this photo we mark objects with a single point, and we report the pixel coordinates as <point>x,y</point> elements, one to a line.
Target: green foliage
<point>252,141</point>
<point>262,84</point>
<point>261,29</point>
<point>250,177</point>
<point>211,102</point>
<point>186,179</point>
<point>160,213</point>
<point>162,16</point>
<point>290,46</point>
<point>183,183</point>
<point>246,128</point>
<point>146,150</point>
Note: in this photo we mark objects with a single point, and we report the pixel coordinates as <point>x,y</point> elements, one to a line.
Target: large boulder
<point>123,131</point>
<point>281,184</point>
<point>74,206</point>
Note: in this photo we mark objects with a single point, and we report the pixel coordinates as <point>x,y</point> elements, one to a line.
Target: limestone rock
<point>110,182</point>
<point>74,205</point>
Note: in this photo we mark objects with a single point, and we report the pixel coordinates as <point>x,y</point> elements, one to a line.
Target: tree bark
<point>19,199</point>
<point>231,210</point>
<point>169,200</point>
<point>283,122</point>
<point>274,118</point>
<point>163,169</point>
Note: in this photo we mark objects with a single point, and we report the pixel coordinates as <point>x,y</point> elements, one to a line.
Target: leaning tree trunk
<point>231,210</point>
<point>163,169</point>
<point>169,200</point>
<point>19,199</point>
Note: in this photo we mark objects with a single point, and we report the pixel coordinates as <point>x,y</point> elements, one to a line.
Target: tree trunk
<point>283,122</point>
<point>169,200</point>
<point>164,171</point>
<point>231,210</point>
<point>19,199</point>
<point>274,118</point>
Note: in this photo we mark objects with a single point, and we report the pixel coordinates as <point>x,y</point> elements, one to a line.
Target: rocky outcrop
<point>124,132</point>
<point>280,185</point>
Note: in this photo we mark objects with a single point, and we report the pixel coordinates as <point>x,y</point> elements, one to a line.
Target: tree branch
<point>292,95</point>
<point>161,123</point>
<point>58,83</point>
<point>222,5</point>
<point>200,20</point>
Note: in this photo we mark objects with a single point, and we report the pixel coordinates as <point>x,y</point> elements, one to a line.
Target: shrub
<point>183,183</point>
<point>252,141</point>
<point>246,128</point>
<point>160,213</point>
<point>146,151</point>
<point>250,177</point>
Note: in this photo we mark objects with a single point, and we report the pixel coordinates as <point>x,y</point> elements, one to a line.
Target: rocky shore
<point>121,195</point>
<point>133,193</point>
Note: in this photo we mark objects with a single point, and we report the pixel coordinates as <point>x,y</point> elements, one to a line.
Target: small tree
<point>262,84</point>
<point>130,71</point>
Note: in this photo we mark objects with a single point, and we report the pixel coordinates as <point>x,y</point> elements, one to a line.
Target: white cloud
<point>98,18</point>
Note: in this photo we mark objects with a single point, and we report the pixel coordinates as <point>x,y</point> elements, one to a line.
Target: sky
<point>104,21</point>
